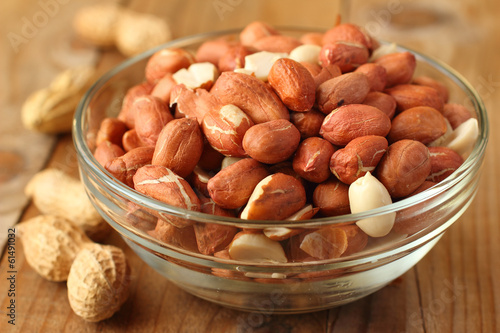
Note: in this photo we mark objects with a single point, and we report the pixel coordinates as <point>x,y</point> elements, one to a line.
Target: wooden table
<point>455,288</point>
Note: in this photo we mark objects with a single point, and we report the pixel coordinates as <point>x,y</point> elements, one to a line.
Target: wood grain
<point>455,288</point>
<point>37,47</point>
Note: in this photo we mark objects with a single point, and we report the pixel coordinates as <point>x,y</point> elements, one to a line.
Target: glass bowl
<point>293,287</point>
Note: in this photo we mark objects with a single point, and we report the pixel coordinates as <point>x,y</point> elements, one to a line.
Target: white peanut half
<point>256,248</point>
<point>306,53</point>
<point>368,193</point>
<point>260,63</point>
<point>197,75</point>
<point>256,194</point>
<point>464,137</point>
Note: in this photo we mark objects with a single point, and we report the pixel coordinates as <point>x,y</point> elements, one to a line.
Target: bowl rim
<point>86,156</point>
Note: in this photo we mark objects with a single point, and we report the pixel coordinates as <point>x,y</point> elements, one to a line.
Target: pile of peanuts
<point>273,127</point>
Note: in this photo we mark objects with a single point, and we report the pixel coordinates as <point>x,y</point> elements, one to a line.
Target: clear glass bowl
<point>290,287</point>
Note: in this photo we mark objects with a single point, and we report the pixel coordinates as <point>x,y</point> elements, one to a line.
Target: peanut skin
<point>312,159</point>
<point>232,186</point>
<point>404,167</point>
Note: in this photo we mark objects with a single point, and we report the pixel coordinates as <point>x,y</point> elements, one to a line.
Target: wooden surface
<point>455,288</point>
